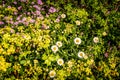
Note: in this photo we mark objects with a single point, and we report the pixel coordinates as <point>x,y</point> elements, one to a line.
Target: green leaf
<point>44,57</point>
<point>48,62</point>
<point>22,61</point>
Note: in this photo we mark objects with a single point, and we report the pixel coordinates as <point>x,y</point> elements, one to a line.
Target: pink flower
<point>47,15</point>
<point>24,19</point>
<point>37,7</point>
<point>1,22</point>
<point>32,2</point>
<point>37,12</point>
<point>106,54</point>
<point>39,2</point>
<point>18,18</point>
<point>16,23</point>
<point>20,7</point>
<point>15,2</point>
<point>12,31</point>
<point>52,10</point>
<point>57,20</point>
<point>32,21</point>
<point>15,13</point>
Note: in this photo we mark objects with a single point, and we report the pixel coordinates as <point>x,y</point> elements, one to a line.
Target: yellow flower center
<point>77,40</point>
<point>52,74</point>
<point>58,43</point>
<point>60,62</point>
<point>81,54</point>
<point>54,48</point>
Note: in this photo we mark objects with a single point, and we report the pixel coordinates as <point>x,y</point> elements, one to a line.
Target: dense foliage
<point>59,39</point>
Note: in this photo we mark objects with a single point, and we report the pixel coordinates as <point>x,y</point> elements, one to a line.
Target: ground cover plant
<point>59,40</point>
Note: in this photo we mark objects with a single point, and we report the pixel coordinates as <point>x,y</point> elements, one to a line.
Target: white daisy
<point>60,62</point>
<point>52,74</point>
<point>77,40</point>
<point>54,48</point>
<point>77,22</point>
<point>63,16</point>
<point>59,43</point>
<point>96,39</point>
<point>81,54</point>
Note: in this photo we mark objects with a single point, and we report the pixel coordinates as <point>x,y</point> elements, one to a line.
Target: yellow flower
<point>35,61</point>
<point>70,63</point>
<point>85,57</point>
<point>60,62</point>
<point>81,54</point>
<point>52,74</point>
<point>88,71</point>
<point>104,34</point>
<point>54,48</point>
<point>77,40</point>
<point>59,43</point>
<point>63,16</point>
<point>77,22</point>
<point>96,39</point>
<point>2,58</point>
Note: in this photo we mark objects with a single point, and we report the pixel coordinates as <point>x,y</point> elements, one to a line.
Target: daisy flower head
<point>77,41</point>
<point>63,16</point>
<point>95,39</point>
<point>77,22</point>
<point>59,43</point>
<point>81,54</point>
<point>60,62</point>
<point>52,74</point>
<point>54,48</point>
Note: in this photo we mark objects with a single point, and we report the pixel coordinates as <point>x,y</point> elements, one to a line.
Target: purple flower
<point>52,10</point>
<point>37,12</point>
<point>1,22</point>
<point>39,2</point>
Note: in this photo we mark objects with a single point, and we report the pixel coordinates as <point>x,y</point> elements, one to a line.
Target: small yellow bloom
<point>77,22</point>
<point>85,57</point>
<point>104,34</point>
<point>35,61</point>
<point>70,63</point>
